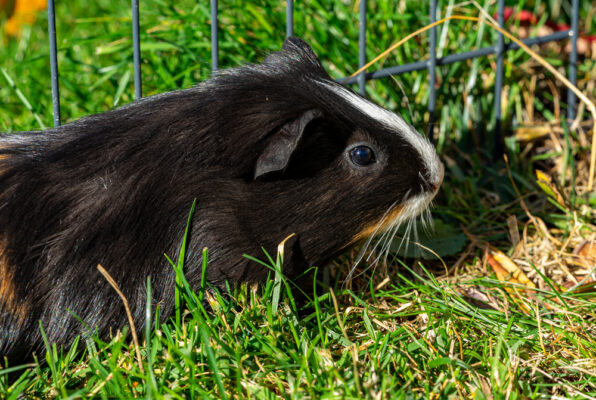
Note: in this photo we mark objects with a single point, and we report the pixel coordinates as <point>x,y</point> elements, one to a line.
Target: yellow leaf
<point>516,275</point>
<point>549,187</point>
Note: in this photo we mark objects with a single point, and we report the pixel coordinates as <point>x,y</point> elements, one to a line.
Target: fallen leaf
<point>529,133</point>
<point>549,187</point>
<point>507,271</point>
<point>586,252</point>
<point>586,288</point>
<point>499,261</point>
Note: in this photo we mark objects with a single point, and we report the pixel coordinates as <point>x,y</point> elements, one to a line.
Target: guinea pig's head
<point>337,168</point>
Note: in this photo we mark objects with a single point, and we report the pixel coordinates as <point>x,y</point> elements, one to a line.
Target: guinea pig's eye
<point>362,155</point>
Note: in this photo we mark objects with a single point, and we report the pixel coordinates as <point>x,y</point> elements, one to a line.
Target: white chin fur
<point>410,209</point>
<point>415,206</point>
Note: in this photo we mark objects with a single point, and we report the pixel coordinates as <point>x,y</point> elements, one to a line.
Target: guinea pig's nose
<point>437,180</point>
<point>434,168</point>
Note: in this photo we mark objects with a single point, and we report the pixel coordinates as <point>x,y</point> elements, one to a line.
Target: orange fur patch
<point>2,157</point>
<point>8,300</point>
<point>379,226</point>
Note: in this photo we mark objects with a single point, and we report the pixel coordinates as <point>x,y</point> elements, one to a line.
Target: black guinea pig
<point>266,150</point>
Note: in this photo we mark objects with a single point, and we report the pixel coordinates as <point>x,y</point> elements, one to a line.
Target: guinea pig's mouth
<point>397,214</point>
<point>388,226</point>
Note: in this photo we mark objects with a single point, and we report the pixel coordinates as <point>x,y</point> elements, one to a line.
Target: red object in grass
<point>528,18</point>
<point>522,16</point>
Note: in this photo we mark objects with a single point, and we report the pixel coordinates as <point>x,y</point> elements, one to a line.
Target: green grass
<point>416,337</point>
<point>407,329</point>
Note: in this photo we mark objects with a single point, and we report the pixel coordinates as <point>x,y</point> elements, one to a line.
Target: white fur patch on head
<point>393,122</point>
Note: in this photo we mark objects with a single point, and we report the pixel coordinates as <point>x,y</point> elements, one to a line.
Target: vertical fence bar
<point>54,63</point>
<point>214,39</point>
<point>432,70</point>
<point>499,80</point>
<point>571,99</point>
<point>136,49</point>
<point>362,47</point>
<point>289,18</point>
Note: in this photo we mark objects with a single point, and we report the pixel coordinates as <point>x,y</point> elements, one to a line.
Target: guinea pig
<point>267,150</point>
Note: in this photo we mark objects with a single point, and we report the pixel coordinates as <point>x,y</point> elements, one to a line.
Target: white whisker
<point>403,238</point>
<point>427,221</point>
<point>408,234</point>
<point>386,231</point>
<point>418,252</point>
<point>387,239</point>
<point>369,240</point>
<point>390,239</point>
<point>422,177</point>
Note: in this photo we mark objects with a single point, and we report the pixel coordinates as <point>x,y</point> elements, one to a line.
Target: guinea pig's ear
<point>282,144</point>
<point>294,44</point>
<point>297,57</point>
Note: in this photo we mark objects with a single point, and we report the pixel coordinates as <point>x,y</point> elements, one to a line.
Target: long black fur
<point>115,189</point>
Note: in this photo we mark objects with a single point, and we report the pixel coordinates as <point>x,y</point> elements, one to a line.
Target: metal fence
<point>431,63</point>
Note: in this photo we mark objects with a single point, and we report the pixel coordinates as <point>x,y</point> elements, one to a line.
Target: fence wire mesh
<point>500,48</point>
